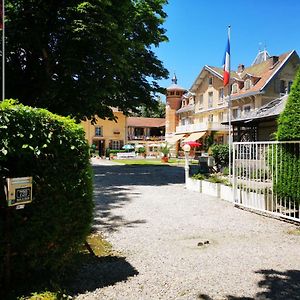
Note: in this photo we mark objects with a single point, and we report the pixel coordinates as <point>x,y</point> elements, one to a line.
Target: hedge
<point>288,178</point>
<point>52,149</point>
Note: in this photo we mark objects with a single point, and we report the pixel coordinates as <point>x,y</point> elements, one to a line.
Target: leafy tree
<point>158,111</point>
<point>288,159</point>
<point>80,58</point>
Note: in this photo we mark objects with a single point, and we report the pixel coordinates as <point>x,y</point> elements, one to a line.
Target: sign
<point>19,190</point>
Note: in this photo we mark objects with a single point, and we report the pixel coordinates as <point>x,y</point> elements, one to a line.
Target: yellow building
<point>106,133</point>
<point>203,110</point>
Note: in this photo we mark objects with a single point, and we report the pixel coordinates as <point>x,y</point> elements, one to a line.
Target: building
<point>106,133</point>
<point>202,111</point>
<point>148,133</point>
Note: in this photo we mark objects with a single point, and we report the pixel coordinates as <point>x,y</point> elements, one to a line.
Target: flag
<point>226,61</point>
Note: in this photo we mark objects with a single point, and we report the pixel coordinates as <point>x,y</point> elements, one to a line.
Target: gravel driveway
<point>179,244</point>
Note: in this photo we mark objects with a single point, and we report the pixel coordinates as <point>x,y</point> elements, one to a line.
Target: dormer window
<point>247,84</point>
<point>210,80</point>
<point>172,93</point>
<point>234,88</point>
<point>177,93</point>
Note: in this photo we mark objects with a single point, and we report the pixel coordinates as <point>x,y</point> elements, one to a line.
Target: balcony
<point>214,126</point>
<point>145,138</point>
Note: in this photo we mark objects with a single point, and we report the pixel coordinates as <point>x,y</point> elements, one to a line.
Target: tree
<point>158,111</point>
<point>288,158</point>
<point>80,58</point>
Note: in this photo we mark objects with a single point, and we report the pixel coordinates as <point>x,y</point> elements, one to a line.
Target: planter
<point>257,200</point>
<point>165,159</point>
<point>226,192</point>
<point>211,188</point>
<point>194,184</point>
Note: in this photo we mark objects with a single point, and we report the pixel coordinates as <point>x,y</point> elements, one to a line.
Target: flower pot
<point>165,159</point>
<point>194,184</point>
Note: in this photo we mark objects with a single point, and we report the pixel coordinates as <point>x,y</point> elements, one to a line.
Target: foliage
<point>288,158</point>
<point>80,58</point>
<point>158,111</point>
<point>53,150</point>
<point>165,149</point>
<point>141,150</point>
<point>198,177</point>
<point>216,178</point>
<point>112,151</point>
<point>225,171</point>
<point>208,141</point>
<point>220,152</point>
<point>47,296</point>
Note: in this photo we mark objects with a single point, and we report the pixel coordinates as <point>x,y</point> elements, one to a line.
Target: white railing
<point>215,126</point>
<point>266,177</point>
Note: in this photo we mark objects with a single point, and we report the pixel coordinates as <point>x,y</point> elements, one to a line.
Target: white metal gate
<point>266,177</point>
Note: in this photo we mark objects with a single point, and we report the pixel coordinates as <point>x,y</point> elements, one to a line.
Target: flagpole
<point>3,53</point>
<point>229,116</point>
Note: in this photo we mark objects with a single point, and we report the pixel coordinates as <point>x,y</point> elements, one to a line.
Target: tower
<point>173,103</point>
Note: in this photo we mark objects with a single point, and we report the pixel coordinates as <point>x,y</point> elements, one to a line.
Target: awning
<point>175,138</point>
<point>194,136</point>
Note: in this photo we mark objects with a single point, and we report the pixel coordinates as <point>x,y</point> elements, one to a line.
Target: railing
<point>146,138</point>
<point>266,177</point>
<point>215,126</point>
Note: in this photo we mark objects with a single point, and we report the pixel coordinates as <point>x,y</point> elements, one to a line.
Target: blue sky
<point>197,32</point>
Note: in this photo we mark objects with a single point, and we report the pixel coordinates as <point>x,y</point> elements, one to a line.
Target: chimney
<point>241,68</point>
<point>274,59</point>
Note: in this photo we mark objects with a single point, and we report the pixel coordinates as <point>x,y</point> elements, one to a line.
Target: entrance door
<point>101,147</point>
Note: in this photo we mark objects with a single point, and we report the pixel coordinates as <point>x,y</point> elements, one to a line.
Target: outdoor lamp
<point>186,148</point>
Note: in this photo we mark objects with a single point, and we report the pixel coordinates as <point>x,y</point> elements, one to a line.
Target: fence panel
<point>266,177</point>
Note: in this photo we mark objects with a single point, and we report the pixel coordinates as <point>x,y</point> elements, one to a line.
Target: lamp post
<point>186,149</point>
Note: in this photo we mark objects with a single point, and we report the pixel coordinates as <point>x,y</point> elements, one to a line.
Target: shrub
<point>198,176</point>
<point>53,150</point>
<point>287,184</point>
<point>220,153</point>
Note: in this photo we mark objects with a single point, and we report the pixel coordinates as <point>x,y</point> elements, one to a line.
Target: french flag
<point>226,61</point>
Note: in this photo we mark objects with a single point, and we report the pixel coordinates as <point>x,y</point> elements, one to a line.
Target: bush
<point>198,177</point>
<point>287,184</point>
<point>53,150</point>
<point>220,152</point>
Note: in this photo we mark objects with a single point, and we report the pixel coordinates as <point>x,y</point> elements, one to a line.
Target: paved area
<point>179,244</point>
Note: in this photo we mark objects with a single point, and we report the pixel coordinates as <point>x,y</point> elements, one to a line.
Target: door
<point>101,147</point>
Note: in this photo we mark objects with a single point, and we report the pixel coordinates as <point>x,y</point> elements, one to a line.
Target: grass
<point>294,231</point>
<point>42,287</point>
<point>157,162</point>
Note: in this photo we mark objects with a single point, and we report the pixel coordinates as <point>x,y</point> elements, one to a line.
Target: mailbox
<point>18,190</point>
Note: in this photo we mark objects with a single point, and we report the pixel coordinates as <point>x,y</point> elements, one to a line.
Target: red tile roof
<point>264,71</point>
<point>145,122</point>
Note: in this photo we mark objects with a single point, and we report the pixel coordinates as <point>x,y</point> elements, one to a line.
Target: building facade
<point>203,111</point>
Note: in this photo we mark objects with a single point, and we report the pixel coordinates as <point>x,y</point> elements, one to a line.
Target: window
<point>210,80</point>
<point>221,95</point>
<point>234,88</point>
<point>201,101</point>
<point>283,87</point>
<point>236,113</point>
<point>247,109</point>
<point>210,118</point>
<point>172,93</point>
<point>221,116</point>
<point>116,145</point>
<point>210,99</point>
<point>247,84</point>
<point>177,93</point>
<point>98,131</point>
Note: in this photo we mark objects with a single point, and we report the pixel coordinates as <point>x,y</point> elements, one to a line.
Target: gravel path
<point>156,224</point>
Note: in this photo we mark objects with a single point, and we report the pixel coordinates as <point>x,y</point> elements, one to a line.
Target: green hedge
<point>288,179</point>
<point>53,150</point>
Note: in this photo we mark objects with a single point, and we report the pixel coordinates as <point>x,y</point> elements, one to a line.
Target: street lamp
<point>186,148</point>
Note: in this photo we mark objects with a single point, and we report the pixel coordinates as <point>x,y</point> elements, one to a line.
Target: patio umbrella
<point>128,147</point>
<point>154,145</point>
<point>193,144</point>
<point>139,146</point>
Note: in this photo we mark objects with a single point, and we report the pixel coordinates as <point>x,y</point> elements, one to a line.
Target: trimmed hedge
<point>53,150</point>
<point>288,180</point>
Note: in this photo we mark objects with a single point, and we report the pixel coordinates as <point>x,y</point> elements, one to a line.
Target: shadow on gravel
<point>112,190</point>
<point>98,272</point>
<point>277,286</point>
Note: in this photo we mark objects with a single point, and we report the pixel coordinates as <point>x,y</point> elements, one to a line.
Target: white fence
<point>266,177</point>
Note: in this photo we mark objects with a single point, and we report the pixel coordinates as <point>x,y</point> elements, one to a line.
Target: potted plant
<point>165,150</point>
